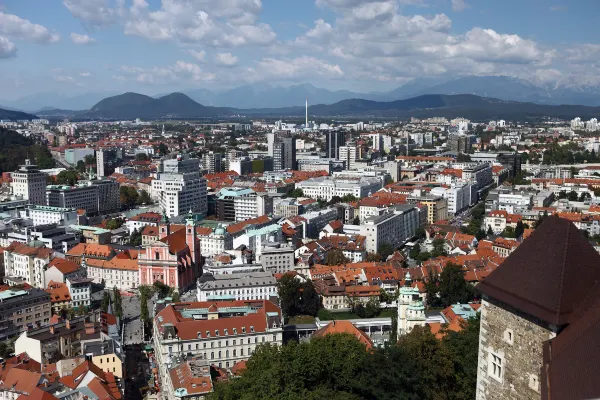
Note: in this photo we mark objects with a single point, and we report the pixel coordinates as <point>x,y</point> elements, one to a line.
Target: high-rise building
<point>349,154</point>
<point>29,183</point>
<point>282,147</point>
<point>333,141</point>
<point>180,188</point>
<point>459,144</point>
<point>81,197</point>
<point>212,162</point>
<point>109,199</point>
<point>100,163</point>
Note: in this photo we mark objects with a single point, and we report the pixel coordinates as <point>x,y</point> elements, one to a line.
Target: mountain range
<point>129,106</point>
<point>572,89</point>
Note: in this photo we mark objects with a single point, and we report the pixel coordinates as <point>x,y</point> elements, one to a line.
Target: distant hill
<point>469,106</point>
<point>177,105</point>
<point>15,115</point>
<point>134,105</point>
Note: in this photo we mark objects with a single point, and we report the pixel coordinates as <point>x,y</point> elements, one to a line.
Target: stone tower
<point>411,311</point>
<point>526,302</point>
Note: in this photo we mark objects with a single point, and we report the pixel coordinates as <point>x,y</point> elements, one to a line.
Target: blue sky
<point>158,46</point>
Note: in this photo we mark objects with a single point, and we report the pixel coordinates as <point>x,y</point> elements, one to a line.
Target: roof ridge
<point>562,273</point>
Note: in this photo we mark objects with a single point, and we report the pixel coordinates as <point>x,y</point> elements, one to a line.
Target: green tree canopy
<point>67,177</point>
<point>336,257</point>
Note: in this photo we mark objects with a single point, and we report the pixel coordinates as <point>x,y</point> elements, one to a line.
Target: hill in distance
<point>15,115</point>
<point>133,105</point>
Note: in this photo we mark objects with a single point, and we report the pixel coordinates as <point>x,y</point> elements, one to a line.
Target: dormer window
<point>251,328</point>
<point>225,332</point>
<point>216,332</point>
<point>243,329</point>
<point>207,333</point>
<point>235,331</point>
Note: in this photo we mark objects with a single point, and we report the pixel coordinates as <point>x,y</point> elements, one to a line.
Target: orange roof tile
<point>342,326</point>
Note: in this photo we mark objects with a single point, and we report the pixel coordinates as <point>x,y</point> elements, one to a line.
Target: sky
<point>160,46</point>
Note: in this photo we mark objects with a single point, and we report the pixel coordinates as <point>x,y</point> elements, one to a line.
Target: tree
<point>135,239</point>
<point>310,301</point>
<point>463,157</point>
<point>144,314</point>
<point>80,166</point>
<point>175,297</point>
<point>336,256</point>
<point>394,329</point>
<point>356,221</point>
<point>144,198</point>
<point>67,177</point>
<point>519,230</point>
<point>142,157</point>
<point>335,200</point>
<point>163,149</point>
<point>296,193</point>
<point>297,298</point>
<point>490,231</point>
<point>114,223</point>
<point>439,248</point>
<point>105,301</point>
<point>129,196</point>
<point>348,198</point>
<point>162,289</point>
<point>463,348</point>
<point>385,250</point>
<point>509,232</point>
<point>584,196</point>
<point>118,303</point>
<point>572,196</point>
<point>453,288</point>
<point>414,252</point>
<point>562,194</point>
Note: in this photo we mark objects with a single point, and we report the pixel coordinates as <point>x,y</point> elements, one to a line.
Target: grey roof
<point>248,279</point>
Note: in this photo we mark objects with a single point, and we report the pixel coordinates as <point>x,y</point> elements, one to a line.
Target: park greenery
<point>450,287</point>
<point>297,297</point>
<point>16,148</point>
<point>417,366</point>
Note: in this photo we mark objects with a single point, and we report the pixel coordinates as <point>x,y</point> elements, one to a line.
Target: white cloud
<point>82,39</point>
<point>65,79</point>
<point>219,23</point>
<point>198,55</point>
<point>85,74</point>
<point>14,26</point>
<point>92,13</point>
<point>180,72</point>
<point>294,68</point>
<point>459,5</point>
<point>7,48</point>
<point>226,59</point>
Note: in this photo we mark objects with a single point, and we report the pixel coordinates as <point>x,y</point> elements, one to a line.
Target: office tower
<point>349,154</point>
<point>284,151</point>
<point>333,141</point>
<point>180,188</point>
<point>213,162</point>
<point>459,144</point>
<point>30,183</point>
<point>100,163</point>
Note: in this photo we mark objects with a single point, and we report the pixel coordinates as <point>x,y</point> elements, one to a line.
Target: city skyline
<point>152,47</point>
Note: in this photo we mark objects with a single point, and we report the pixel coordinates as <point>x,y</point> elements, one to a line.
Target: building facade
<point>30,184</point>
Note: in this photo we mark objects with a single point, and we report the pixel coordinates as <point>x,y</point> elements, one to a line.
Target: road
<point>60,159</point>
<point>131,319</point>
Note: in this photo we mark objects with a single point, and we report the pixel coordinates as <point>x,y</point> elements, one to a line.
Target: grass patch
<point>301,319</point>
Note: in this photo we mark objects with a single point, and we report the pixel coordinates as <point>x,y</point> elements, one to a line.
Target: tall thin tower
<point>306,123</point>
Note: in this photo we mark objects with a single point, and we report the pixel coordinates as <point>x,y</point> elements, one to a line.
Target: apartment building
<point>277,258</point>
<point>29,183</point>
<point>43,215</point>
<point>180,188</point>
<point>394,227</point>
<point>239,286</point>
<point>214,241</point>
<point>79,197</point>
<point>223,333</point>
<point>325,187</point>
<point>22,310</point>
<point>26,264</point>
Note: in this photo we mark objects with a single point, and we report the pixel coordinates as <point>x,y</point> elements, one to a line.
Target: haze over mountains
<point>581,90</point>
<point>129,106</point>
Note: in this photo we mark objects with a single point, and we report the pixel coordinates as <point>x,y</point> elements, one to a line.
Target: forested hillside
<point>16,148</point>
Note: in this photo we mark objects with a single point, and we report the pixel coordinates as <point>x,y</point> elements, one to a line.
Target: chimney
<point>68,324</point>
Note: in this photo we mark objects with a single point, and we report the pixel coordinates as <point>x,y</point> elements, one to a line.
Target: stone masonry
<point>516,339</point>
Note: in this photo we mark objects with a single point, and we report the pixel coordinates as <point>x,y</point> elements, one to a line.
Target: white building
<point>80,290</point>
<point>223,333</point>
<point>42,215</point>
<point>349,154</point>
<point>240,286</point>
<point>121,273</point>
<point>30,184</point>
<point>394,227</point>
<point>411,311</point>
<point>325,188</point>
<point>256,239</point>
<point>27,264</point>
<point>277,257</point>
<point>214,241</point>
<point>252,205</point>
<point>459,196</point>
<point>180,188</point>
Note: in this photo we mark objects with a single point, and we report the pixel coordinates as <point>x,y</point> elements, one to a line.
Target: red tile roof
<point>344,327</point>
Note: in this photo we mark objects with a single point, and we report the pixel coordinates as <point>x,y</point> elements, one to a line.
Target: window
<point>509,336</point>
<point>496,367</point>
<point>251,328</point>
<point>243,329</point>
<point>534,382</point>
<point>217,332</point>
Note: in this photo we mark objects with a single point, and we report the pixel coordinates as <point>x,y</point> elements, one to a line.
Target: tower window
<point>509,336</point>
<point>496,366</point>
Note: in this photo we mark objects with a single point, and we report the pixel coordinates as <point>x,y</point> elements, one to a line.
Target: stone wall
<point>517,339</point>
